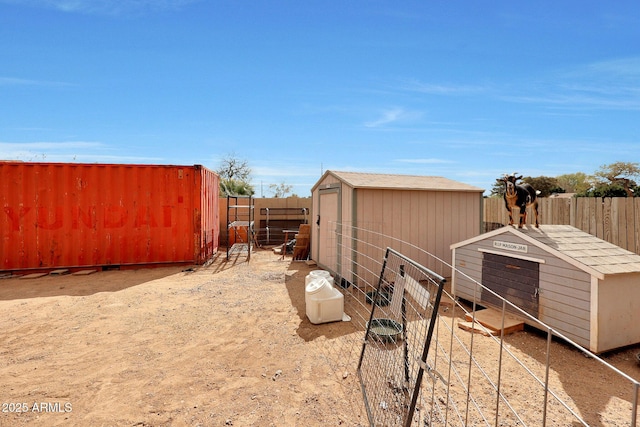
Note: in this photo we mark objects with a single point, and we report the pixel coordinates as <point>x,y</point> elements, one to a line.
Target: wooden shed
<point>428,212</point>
<point>582,286</point>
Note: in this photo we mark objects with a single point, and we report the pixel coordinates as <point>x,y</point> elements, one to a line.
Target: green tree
<point>497,189</point>
<point>578,182</point>
<point>619,174</point>
<point>234,187</point>
<point>544,184</point>
<point>235,175</point>
<point>604,189</point>
<point>280,190</point>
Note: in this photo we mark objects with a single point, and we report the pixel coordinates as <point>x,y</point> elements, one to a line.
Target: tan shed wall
<point>618,318</point>
<point>345,245</point>
<point>313,254</point>
<point>565,298</point>
<point>423,220</point>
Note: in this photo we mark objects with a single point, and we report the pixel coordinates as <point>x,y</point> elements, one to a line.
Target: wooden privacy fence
<point>271,216</point>
<point>614,219</point>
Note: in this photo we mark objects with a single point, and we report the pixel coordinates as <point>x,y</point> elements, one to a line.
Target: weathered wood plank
<point>619,220</point>
<point>606,219</point>
<point>599,207</point>
<point>636,222</point>
<point>581,211</point>
<point>476,327</point>
<point>629,227</point>
<point>593,217</point>
<point>493,319</point>
<point>572,214</point>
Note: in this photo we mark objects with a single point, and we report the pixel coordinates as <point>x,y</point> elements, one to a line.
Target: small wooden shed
<point>429,212</point>
<point>582,286</point>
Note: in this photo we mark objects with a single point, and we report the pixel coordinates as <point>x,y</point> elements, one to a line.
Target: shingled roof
<point>575,246</point>
<point>401,182</point>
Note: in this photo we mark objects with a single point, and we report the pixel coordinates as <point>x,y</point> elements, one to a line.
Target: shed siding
<point>345,247</point>
<point>370,252</point>
<point>565,299</point>
<point>419,220</point>
<point>313,217</point>
<point>618,319</point>
<point>468,261</point>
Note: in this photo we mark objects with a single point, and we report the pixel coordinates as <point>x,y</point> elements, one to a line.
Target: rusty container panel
<point>207,244</point>
<point>79,215</point>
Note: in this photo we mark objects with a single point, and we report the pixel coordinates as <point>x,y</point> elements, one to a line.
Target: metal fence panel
<point>397,339</point>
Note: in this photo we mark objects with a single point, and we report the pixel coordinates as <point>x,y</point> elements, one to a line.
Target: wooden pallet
<point>491,319</point>
<point>301,250</point>
<point>477,328</point>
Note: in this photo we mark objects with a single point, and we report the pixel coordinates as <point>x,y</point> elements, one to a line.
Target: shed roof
<point>587,252</point>
<point>399,182</point>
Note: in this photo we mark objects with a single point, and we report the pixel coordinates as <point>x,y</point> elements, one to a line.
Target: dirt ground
<point>217,345</point>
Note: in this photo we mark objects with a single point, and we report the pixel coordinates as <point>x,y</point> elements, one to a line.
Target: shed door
<point>514,279</point>
<point>329,208</point>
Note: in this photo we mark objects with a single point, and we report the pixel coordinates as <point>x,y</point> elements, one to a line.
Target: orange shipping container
<point>72,215</point>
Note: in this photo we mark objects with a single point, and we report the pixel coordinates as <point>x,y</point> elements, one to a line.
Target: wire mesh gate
<point>397,339</point>
<point>520,379</point>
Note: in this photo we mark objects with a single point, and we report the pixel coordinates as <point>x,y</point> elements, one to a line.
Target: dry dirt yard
<point>227,344</point>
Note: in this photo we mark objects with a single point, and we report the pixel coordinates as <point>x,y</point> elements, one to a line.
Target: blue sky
<point>467,90</point>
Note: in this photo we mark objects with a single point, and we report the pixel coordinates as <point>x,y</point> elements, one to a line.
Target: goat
<point>520,195</point>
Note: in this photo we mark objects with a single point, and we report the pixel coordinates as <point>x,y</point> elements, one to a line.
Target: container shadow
<point>82,285</point>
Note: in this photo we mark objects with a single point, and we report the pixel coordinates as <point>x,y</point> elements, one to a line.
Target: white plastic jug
<point>323,303</point>
<point>314,274</point>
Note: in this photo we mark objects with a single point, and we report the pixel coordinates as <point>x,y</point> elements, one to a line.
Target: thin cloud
<point>34,156</point>
<point>44,151</point>
<point>286,170</point>
<point>67,151</point>
<point>611,85</point>
<point>104,7</point>
<point>387,117</point>
<point>629,67</point>
<point>114,159</point>
<point>575,100</point>
<point>15,81</point>
<point>48,145</point>
<point>441,89</point>
<point>392,116</point>
<point>424,161</point>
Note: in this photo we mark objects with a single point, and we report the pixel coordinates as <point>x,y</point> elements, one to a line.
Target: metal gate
<point>397,339</point>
